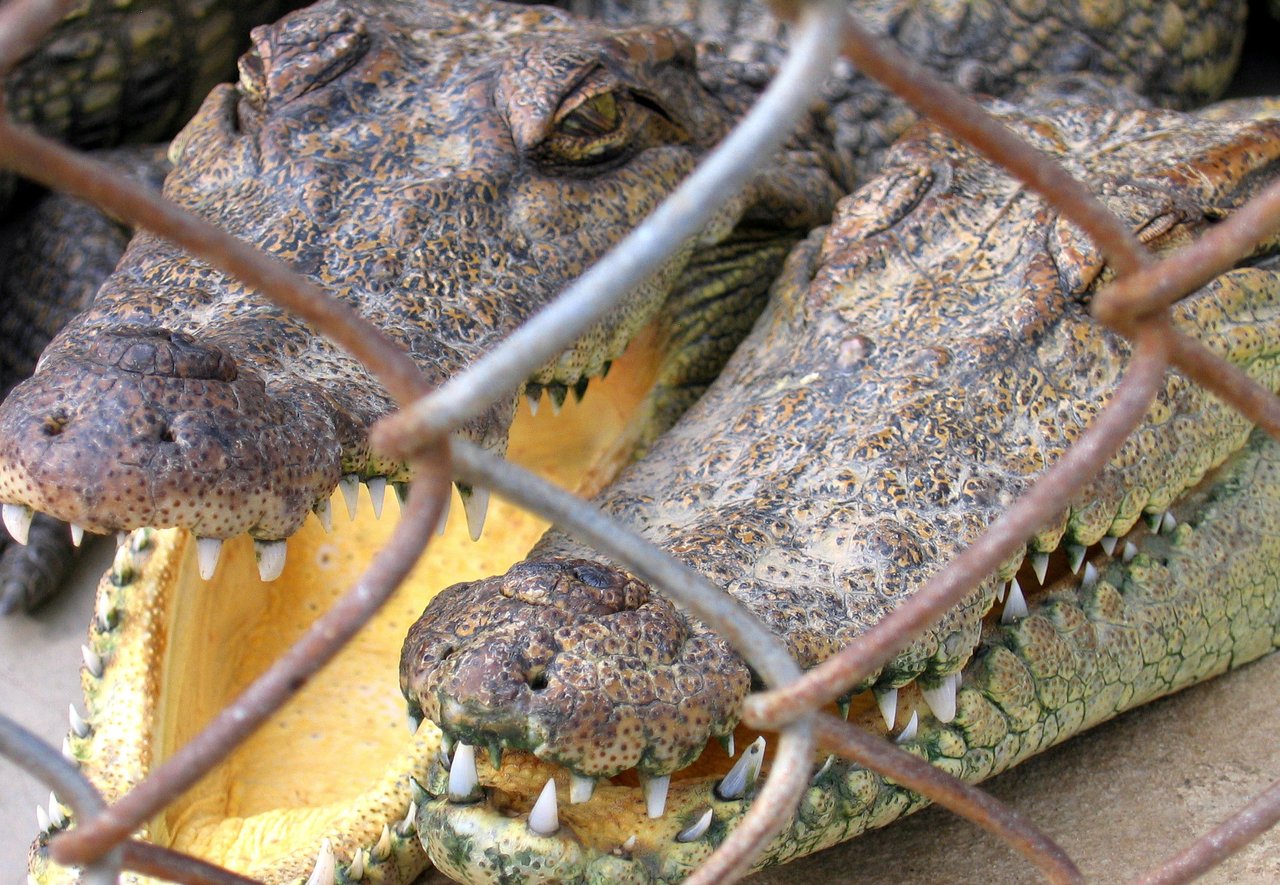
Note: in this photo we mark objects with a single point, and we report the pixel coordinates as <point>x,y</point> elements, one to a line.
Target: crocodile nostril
<point>166,434</point>
<point>54,424</point>
<point>537,679</point>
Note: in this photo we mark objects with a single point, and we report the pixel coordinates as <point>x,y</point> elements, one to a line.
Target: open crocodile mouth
<point>336,766</point>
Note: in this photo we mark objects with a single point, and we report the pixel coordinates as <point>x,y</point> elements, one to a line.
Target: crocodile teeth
<point>580,788</point>
<point>462,773</point>
<point>325,871</point>
<point>655,795</point>
<point>92,661</point>
<point>1075,557</point>
<point>377,493</point>
<point>909,731</point>
<point>1040,565</point>
<point>533,395</point>
<point>942,697</point>
<point>350,486</point>
<point>1090,575</point>
<point>1129,552</point>
<point>629,845</point>
<point>557,393</point>
<point>355,871</point>
<point>843,706</point>
<point>68,753</point>
<point>544,819</point>
<point>402,491</point>
<point>726,741</point>
<point>1108,544</point>
<point>826,766</point>
<point>77,535</point>
<point>887,701</point>
<point>17,519</point>
<point>580,388</point>
<point>444,515</point>
<point>56,815</point>
<point>42,819</point>
<point>1153,520</point>
<point>407,826</point>
<point>382,850</point>
<point>208,551</point>
<point>270,556</point>
<point>475,503</point>
<point>742,777</point>
<point>324,512</point>
<point>696,829</point>
<point>79,727</point>
<point>415,722</point>
<point>1167,522</point>
<point>1015,607</point>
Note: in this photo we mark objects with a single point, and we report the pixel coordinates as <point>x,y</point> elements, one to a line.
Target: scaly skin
<point>916,368</point>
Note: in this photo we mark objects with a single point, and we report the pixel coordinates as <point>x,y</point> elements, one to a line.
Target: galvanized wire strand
<point>727,169</point>
<point>42,761</point>
<point>788,776</point>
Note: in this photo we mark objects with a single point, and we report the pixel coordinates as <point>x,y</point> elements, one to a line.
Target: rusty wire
<point>1145,290</point>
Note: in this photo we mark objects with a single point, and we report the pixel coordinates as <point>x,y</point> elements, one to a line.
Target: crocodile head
<point>919,364</point>
<point>446,169</point>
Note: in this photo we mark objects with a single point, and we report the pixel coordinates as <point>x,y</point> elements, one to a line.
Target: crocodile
<point>576,104</point>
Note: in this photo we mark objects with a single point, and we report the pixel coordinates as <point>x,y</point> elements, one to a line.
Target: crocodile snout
<point>149,425</point>
<point>576,662</point>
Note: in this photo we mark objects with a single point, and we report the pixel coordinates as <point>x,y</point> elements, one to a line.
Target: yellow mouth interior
<point>332,753</point>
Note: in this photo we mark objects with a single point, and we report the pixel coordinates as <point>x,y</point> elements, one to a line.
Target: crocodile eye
<point>592,128</point>
<point>596,116</point>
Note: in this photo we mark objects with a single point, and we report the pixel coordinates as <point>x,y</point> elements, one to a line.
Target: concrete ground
<point>1118,799</point>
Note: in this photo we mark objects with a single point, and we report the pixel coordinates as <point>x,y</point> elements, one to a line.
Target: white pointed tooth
<point>826,766</point>
<point>1108,544</point>
<point>462,773</point>
<point>382,850</point>
<point>941,698</point>
<point>270,556</point>
<point>68,753</point>
<point>908,733</point>
<point>476,505</point>
<point>1040,565</point>
<point>79,727</point>
<point>887,701</point>
<point>208,551</point>
<point>1153,520</point>
<point>325,871</point>
<point>349,484</point>
<point>1167,522</point>
<point>1090,575</point>
<point>655,795</point>
<point>1130,551</point>
<point>1075,557</point>
<point>92,661</point>
<point>696,829</point>
<point>742,777</point>
<point>324,512</point>
<point>544,819</point>
<point>726,741</point>
<point>410,822</point>
<point>355,872</point>
<point>122,538</point>
<point>1001,589</point>
<point>17,519</point>
<point>42,819</point>
<point>415,722</point>
<point>630,844</point>
<point>56,815</point>
<point>580,788</point>
<point>1015,607</point>
<point>533,401</point>
<point>377,493</point>
<point>77,535</point>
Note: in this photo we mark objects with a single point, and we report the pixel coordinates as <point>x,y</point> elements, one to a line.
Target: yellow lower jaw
<point>335,762</point>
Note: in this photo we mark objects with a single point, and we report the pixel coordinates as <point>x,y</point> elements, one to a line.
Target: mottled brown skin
<point>905,385</point>
<point>183,399</point>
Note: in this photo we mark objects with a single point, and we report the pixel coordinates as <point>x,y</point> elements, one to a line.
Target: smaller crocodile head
<point>920,362</point>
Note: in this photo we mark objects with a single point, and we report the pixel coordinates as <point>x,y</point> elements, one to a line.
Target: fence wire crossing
<point>1136,305</point>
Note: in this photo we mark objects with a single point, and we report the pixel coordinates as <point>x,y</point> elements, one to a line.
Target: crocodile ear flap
<point>1078,261</point>
<point>294,57</point>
